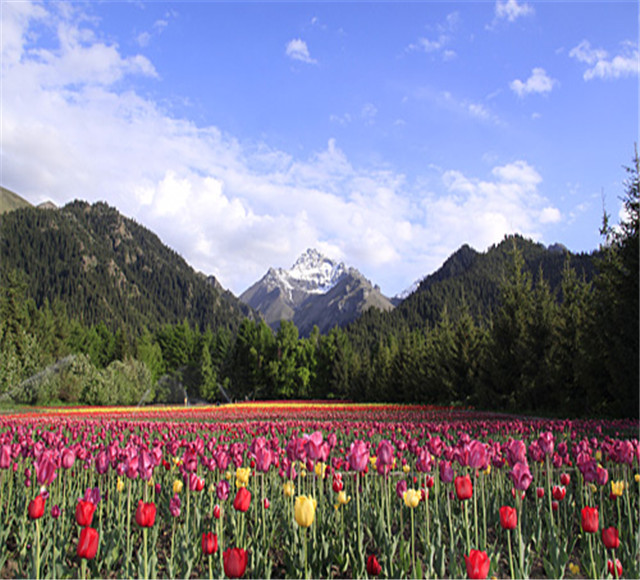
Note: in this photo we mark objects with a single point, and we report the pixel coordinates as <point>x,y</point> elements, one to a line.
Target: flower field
<point>317,490</point>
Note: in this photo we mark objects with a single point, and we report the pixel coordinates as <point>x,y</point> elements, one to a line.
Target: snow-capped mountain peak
<point>317,271</point>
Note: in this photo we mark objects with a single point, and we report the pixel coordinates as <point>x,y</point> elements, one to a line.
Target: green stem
<point>413,546</point>
<point>510,554</point>
<point>466,526</point>
<point>146,559</point>
<point>37,549</point>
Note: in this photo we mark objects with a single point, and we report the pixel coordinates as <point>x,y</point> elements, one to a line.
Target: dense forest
<point>519,328</point>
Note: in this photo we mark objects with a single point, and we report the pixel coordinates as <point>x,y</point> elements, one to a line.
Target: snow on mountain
<point>312,273</point>
<point>406,292</point>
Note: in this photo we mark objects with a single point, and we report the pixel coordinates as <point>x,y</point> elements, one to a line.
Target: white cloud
<point>510,10</point>
<point>601,66</point>
<point>297,50</point>
<point>539,82</point>
<point>231,208</point>
<point>443,39</point>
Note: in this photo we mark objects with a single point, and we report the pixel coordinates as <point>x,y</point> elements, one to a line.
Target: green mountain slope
<point>10,201</point>
<point>472,279</point>
<point>106,267</point>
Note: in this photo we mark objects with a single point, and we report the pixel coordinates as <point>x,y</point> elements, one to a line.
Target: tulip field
<point>316,490</point>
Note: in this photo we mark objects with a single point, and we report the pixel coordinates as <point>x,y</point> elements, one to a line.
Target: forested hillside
<point>105,268</point>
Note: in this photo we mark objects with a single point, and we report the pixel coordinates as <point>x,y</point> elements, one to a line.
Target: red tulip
<point>558,492</point>
<point>36,507</point>
<point>373,566</point>
<point>477,564</point>
<point>266,503</point>
<point>84,513</point>
<point>145,514</point>
<point>610,538</point>
<point>565,478</point>
<point>590,520</point>
<point>209,543</point>
<point>88,543</point>
<point>243,500</point>
<point>508,517</point>
<point>235,562</point>
<point>464,487</point>
<point>540,492</point>
<point>216,511</point>
<point>613,570</point>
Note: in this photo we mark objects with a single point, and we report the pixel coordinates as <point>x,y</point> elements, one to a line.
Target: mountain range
<point>315,291</point>
<point>105,267</point>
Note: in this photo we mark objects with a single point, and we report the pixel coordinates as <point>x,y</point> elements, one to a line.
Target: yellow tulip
<point>487,471</point>
<point>227,475</point>
<point>303,473</point>
<point>598,455</point>
<point>373,460</point>
<point>289,489</point>
<point>406,468</point>
<point>575,569</point>
<point>343,499</point>
<point>320,468</point>
<point>242,476</point>
<point>617,488</point>
<point>120,485</point>
<point>412,497</point>
<point>177,486</point>
<point>305,510</point>
<point>637,477</point>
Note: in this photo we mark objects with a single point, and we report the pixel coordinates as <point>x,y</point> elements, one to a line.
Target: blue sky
<point>384,134</point>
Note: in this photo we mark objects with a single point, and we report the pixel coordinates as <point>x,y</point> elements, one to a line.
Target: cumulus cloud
<point>602,66</point>
<point>510,10</point>
<point>539,82</point>
<point>297,49</point>
<point>73,128</point>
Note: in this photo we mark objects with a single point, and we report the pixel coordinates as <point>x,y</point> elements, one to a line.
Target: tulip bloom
<point>521,476</point>
<point>373,566</point>
<point>36,507</point>
<point>145,514</point>
<point>610,538</point>
<point>209,543</point>
<point>88,543</point>
<point>464,487</point>
<point>613,570</point>
<point>358,456</point>
<point>305,510</point>
<point>508,517</point>
<point>174,505</point>
<point>558,492</point>
<point>235,562</point>
<point>288,488</point>
<point>565,479</point>
<point>84,513</point>
<point>590,520</point>
<point>477,564</point>
<point>617,488</point>
<point>243,500</point>
<point>216,511</point>
<point>177,486</point>
<point>411,498</point>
